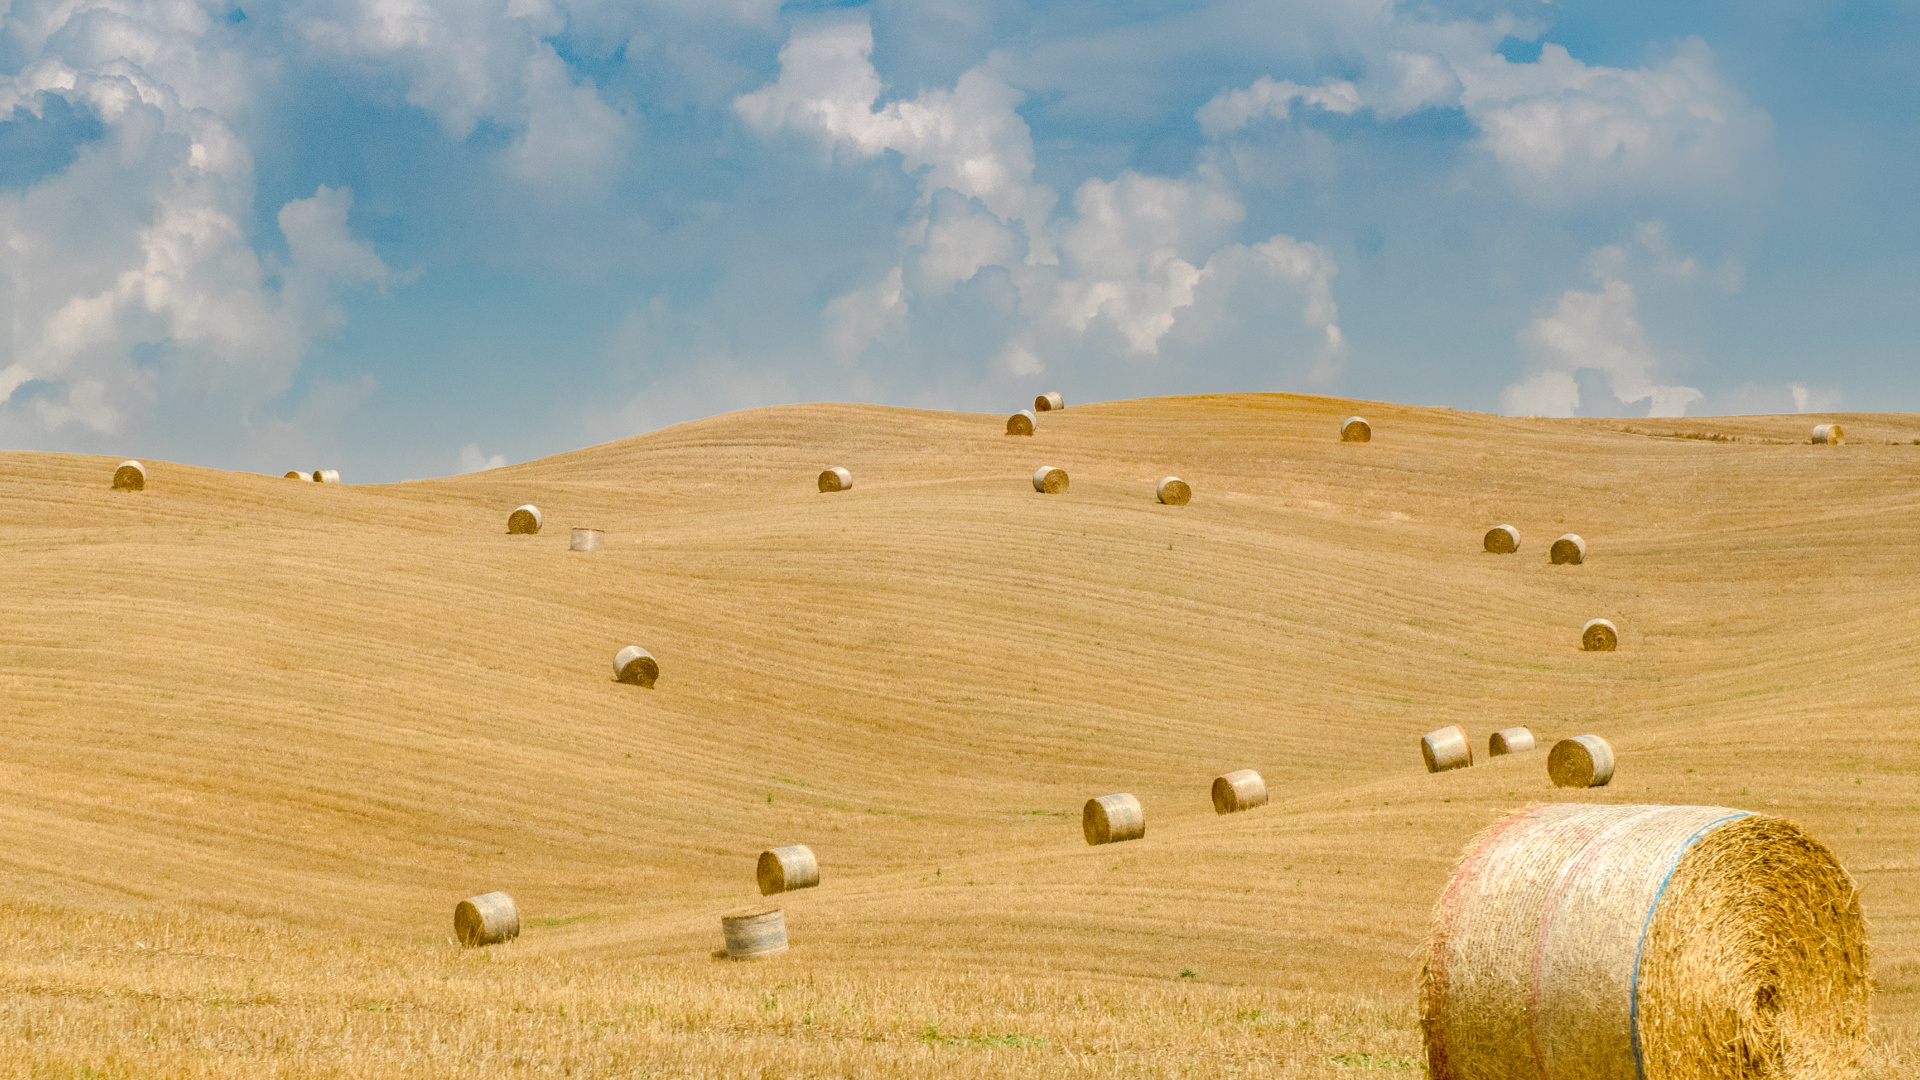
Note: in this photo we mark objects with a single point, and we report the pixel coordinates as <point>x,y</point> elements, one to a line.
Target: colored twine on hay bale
<point>836,479</point>
<point>130,476</point>
<point>1021,423</point>
<point>1174,491</point>
<point>1584,761</point>
<point>1502,540</point>
<point>1049,480</point>
<point>1111,819</point>
<point>1599,635</point>
<point>1446,749</point>
<point>1356,430</point>
<point>784,869</point>
<point>487,919</point>
<point>1049,402</point>
<point>1513,740</point>
<point>754,931</point>
<point>1568,550</point>
<point>635,665</point>
<point>1829,435</point>
<point>524,521</point>
<point>1241,789</point>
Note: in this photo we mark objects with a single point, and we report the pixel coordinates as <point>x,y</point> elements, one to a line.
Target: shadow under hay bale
<point>524,521</point>
<point>1049,480</point>
<point>130,476</point>
<point>1502,540</point>
<point>836,479</point>
<point>296,475</point>
<point>635,665</point>
<point>1049,402</point>
<point>1675,942</point>
<point>1021,423</point>
<point>1356,430</point>
<point>584,540</point>
<point>1569,550</point>
<point>1513,740</point>
<point>754,931</point>
<point>487,919</point>
<point>1584,761</point>
<point>784,869</point>
<point>326,476</point>
<point>1111,819</point>
<point>1829,435</point>
<point>1174,491</point>
<point>1446,749</point>
<point>1241,789</point>
<point>1599,635</point>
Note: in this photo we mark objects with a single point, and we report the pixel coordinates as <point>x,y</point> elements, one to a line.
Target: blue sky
<point>412,237</point>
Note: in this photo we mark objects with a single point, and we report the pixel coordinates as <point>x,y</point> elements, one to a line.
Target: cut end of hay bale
<point>524,521</point>
<point>1502,540</point>
<point>754,931</point>
<point>1239,790</point>
<point>1049,480</point>
<point>635,665</point>
<point>584,540</point>
<point>1580,762</point>
<point>1446,749</point>
<point>785,869</point>
<point>836,480</point>
<point>487,919</point>
<point>1174,491</point>
<point>297,475</point>
<point>130,476</point>
<point>1829,435</point>
<point>1049,402</point>
<point>1569,550</point>
<point>1111,819</point>
<point>1513,740</point>
<point>1599,635</point>
<point>326,476</point>
<point>1356,430</point>
<point>1021,423</point>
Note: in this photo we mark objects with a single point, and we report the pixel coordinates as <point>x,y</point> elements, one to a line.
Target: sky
<point>412,238</point>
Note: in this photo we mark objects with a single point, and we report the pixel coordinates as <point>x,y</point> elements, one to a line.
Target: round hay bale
<point>524,521</point>
<point>1620,942</point>
<point>1110,819</point>
<point>1049,480</point>
<point>1241,789</point>
<point>584,540</point>
<point>487,919</point>
<point>1513,740</point>
<point>1829,435</point>
<point>754,931</point>
<point>1582,761</point>
<point>1356,430</point>
<point>1021,423</point>
<point>297,475</point>
<point>1599,635</point>
<point>1568,550</point>
<point>1446,749</point>
<point>784,869</point>
<point>130,476</point>
<point>1049,402</point>
<point>1174,491</point>
<point>635,665</point>
<point>836,480</point>
<point>1502,540</point>
<point>326,476</point>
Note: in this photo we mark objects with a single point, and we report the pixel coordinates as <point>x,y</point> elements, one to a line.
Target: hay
<point>1049,480</point>
<point>524,521</point>
<point>1829,435</point>
<point>836,480</point>
<point>1239,790</point>
<point>296,475</point>
<point>130,476</point>
<point>1599,635</point>
<point>635,665</point>
<point>784,869</point>
<point>1049,402</point>
<point>1582,942</point>
<point>1021,423</point>
<point>487,919</point>
<point>326,476</point>
<point>1582,761</point>
<point>1356,430</point>
<point>1502,540</point>
<point>1568,550</point>
<point>1111,819</point>
<point>1513,740</point>
<point>584,540</point>
<point>1174,491</point>
<point>754,931</point>
<point>1446,749</point>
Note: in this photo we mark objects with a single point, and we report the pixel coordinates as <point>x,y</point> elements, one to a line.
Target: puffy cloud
<point>1598,331</point>
<point>474,459</point>
<point>1236,109</point>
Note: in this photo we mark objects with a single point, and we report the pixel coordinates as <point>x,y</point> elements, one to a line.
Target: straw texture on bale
<point>635,665</point>
<point>1446,748</point>
<point>296,475</point>
<point>1583,942</point>
<point>752,932</point>
<point>326,476</point>
<point>784,869</point>
<point>1049,402</point>
<point>1241,789</point>
<point>1599,635</point>
<point>1174,491</point>
<point>487,919</point>
<point>524,521</point>
<point>1829,435</point>
<point>1110,819</point>
<point>1049,480</point>
<point>1356,430</point>
<point>1582,761</point>
<point>1502,540</point>
<point>1513,740</point>
<point>1021,423</point>
<point>1568,550</point>
<point>836,479</point>
<point>584,540</point>
<point>130,476</point>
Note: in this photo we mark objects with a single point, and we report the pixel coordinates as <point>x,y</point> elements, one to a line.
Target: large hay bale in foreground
<point>1569,550</point>
<point>1446,748</point>
<point>1021,423</point>
<point>584,540</point>
<point>1111,819</point>
<point>635,665</point>
<point>1582,761</point>
<point>1049,480</point>
<point>1513,740</point>
<point>487,919</point>
<point>784,869</point>
<point>1241,789</point>
<point>1502,540</point>
<point>130,476</point>
<point>1049,402</point>
<point>326,476</point>
<point>524,521</point>
<point>297,475</point>
<point>1599,635</point>
<point>1356,430</point>
<point>1581,942</point>
<point>754,931</point>
<point>1174,491</point>
<point>1829,435</point>
<point>836,479</point>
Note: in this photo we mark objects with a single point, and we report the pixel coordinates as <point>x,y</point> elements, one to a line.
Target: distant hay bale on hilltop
<point>1569,550</point>
<point>1174,491</point>
<point>1446,748</point>
<point>1513,740</point>
<point>487,919</point>
<point>836,479</point>
<point>1241,789</point>
<point>1829,435</point>
<point>1599,635</point>
<point>1021,423</point>
<point>1502,540</point>
<point>524,521</point>
<point>326,476</point>
<point>784,869</point>
<point>1049,480</point>
<point>754,931</point>
<point>1582,761</point>
<point>1356,430</point>
<point>1049,402</point>
<point>1111,819</point>
<point>584,540</point>
<point>1672,942</point>
<point>298,475</point>
<point>130,476</point>
<point>635,665</point>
